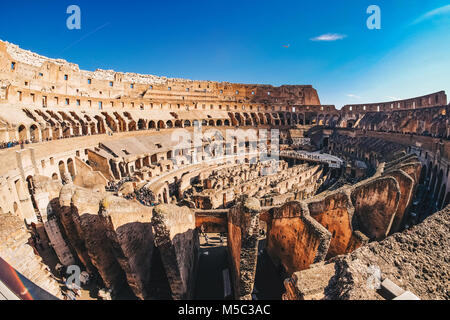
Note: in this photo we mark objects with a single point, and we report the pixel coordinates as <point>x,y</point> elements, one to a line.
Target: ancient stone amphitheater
<point>344,204</point>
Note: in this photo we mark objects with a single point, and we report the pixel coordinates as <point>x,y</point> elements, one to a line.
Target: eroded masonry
<point>351,204</point>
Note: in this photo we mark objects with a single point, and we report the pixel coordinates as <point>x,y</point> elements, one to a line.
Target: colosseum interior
<point>301,201</point>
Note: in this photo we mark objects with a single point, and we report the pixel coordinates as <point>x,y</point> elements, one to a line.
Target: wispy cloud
<point>85,36</point>
<point>436,12</point>
<point>392,98</point>
<point>329,37</point>
<point>353,96</point>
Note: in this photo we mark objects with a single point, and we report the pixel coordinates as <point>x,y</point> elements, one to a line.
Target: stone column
<point>243,233</point>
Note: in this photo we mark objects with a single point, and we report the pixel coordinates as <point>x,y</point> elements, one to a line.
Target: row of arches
<point>435,179</point>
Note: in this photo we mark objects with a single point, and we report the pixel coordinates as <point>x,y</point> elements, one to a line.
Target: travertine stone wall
<point>129,229</point>
<point>243,234</point>
<point>295,239</point>
<point>176,238</point>
<point>85,211</point>
<point>415,261</point>
<point>338,222</point>
<point>15,249</point>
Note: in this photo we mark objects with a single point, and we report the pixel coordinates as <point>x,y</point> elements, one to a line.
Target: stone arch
<point>219,123</point>
<point>187,123</point>
<point>132,126</point>
<point>151,124</point>
<point>239,118</point>
<point>233,120</point>
<point>66,131</point>
<point>262,120</point>
<point>34,133</point>
<point>93,128</point>
<point>169,124</point>
<point>255,118</point>
<point>248,120</point>
<point>100,125</point>
<point>268,118</point>
<point>141,124</point>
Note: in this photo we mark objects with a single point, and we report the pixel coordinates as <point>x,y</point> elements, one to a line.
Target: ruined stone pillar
<point>243,233</point>
<point>128,228</point>
<point>176,237</point>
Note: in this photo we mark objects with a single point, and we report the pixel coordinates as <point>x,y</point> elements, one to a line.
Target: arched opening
<point>71,167</point>
<point>100,125</point>
<point>262,120</point>
<point>211,123</point>
<point>187,123</point>
<point>62,169</point>
<point>440,200</point>
<point>132,126</point>
<point>169,124</point>
<point>22,133</point>
<point>438,185</point>
<point>152,125</point>
<point>178,124</point>
<point>161,124</point>
<point>248,121</point>
<point>219,123</point>
<point>141,124</point>
<point>423,175</point>
<point>239,119</point>
<point>34,133</point>
<point>55,176</point>
<point>93,128</point>
<point>433,180</point>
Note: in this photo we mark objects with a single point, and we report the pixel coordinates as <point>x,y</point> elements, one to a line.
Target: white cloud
<point>436,12</point>
<point>329,37</point>
<point>353,96</point>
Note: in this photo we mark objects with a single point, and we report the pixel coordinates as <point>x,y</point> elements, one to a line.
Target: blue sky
<point>244,41</point>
